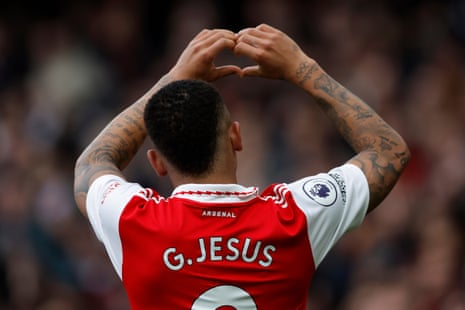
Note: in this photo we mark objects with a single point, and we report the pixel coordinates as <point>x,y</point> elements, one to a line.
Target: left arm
<point>382,153</point>
<point>112,150</point>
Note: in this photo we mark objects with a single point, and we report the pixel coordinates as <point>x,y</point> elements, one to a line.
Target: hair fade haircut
<point>183,120</point>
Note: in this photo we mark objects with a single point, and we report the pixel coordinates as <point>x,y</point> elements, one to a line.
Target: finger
<point>218,45</point>
<point>266,28</point>
<point>251,40</point>
<point>253,71</point>
<point>207,37</point>
<point>209,32</point>
<point>217,33</point>
<point>245,30</point>
<point>200,36</point>
<point>202,33</point>
<point>226,70</point>
<point>254,32</point>
<point>245,49</point>
<point>218,39</point>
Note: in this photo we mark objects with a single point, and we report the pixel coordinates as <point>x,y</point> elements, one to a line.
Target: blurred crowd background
<point>68,67</point>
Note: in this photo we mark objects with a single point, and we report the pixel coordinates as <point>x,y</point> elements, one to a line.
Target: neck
<point>223,171</point>
<point>211,178</point>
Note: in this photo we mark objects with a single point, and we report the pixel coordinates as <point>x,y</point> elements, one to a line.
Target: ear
<point>235,136</point>
<point>157,162</point>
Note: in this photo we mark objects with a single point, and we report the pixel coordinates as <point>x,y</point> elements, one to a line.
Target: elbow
<point>396,156</point>
<point>79,167</point>
<point>404,155</point>
<point>81,184</point>
<point>79,161</point>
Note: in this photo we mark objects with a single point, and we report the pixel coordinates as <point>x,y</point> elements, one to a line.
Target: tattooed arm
<point>382,154</point>
<point>113,148</point>
<point>119,141</point>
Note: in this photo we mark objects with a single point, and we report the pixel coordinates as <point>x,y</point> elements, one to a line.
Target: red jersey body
<point>211,246</point>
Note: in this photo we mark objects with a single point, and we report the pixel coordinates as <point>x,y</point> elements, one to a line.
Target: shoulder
<point>112,188</point>
<point>109,195</point>
<point>333,203</point>
<point>333,187</point>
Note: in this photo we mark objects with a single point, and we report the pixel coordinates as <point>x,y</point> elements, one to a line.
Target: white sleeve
<point>106,199</point>
<point>333,203</point>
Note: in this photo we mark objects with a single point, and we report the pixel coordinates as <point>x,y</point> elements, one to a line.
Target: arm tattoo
<point>382,153</point>
<point>111,151</point>
<point>117,144</point>
<point>304,72</point>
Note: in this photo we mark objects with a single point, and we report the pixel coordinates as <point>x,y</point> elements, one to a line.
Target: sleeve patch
<point>320,190</point>
<point>342,185</point>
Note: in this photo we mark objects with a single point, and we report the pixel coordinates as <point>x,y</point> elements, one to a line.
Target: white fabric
<point>344,208</point>
<point>106,199</point>
<point>332,202</point>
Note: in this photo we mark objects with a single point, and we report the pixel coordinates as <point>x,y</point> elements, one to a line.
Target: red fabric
<point>259,248</point>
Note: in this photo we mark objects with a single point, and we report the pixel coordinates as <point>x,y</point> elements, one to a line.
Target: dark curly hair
<point>184,120</point>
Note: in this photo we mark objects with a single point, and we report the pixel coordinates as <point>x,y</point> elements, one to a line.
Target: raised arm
<point>115,146</point>
<point>382,154</point>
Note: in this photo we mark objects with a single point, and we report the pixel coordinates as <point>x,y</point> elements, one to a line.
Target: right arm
<point>382,154</point>
<point>116,145</point>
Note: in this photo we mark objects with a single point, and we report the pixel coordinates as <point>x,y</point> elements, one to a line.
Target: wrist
<point>173,75</point>
<point>306,71</point>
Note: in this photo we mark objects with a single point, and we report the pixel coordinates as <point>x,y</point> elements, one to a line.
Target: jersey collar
<point>215,192</point>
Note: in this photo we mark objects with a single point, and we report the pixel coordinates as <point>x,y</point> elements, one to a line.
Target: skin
<point>381,152</point>
<point>115,146</point>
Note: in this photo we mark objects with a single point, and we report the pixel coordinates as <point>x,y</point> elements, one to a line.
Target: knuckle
<point>196,48</point>
<point>205,57</point>
<point>260,55</point>
<point>268,45</point>
<point>275,36</point>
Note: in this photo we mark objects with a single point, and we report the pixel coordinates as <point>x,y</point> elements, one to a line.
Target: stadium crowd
<point>67,67</point>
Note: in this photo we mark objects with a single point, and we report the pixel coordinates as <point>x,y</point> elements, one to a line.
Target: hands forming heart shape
<point>276,55</point>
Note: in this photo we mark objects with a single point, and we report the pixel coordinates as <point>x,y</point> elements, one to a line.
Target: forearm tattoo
<point>117,144</point>
<point>112,150</point>
<point>382,154</point>
<point>305,71</point>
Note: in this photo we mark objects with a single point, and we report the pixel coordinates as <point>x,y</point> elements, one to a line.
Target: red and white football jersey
<point>211,246</point>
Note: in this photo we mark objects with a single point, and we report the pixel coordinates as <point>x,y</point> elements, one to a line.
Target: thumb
<point>223,71</point>
<point>251,71</point>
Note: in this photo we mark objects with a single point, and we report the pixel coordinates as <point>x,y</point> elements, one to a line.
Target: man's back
<point>170,259</point>
<point>223,237</point>
<point>222,245</point>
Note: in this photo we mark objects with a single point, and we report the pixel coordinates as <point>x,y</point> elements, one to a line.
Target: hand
<point>197,59</point>
<point>276,54</point>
